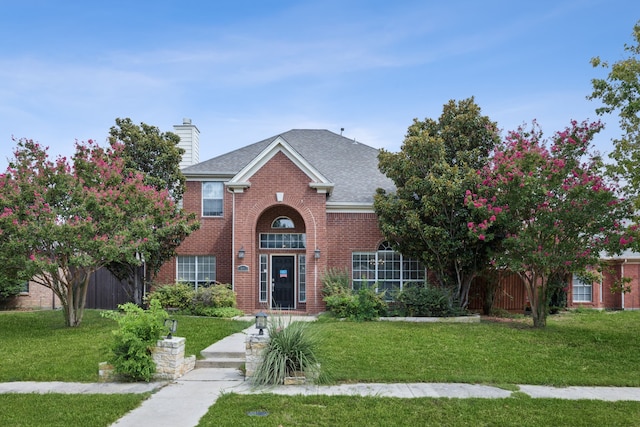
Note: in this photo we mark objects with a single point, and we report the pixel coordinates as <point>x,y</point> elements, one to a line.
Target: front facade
<point>275,215</point>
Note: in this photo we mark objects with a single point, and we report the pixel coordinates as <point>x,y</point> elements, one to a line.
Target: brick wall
<point>336,235</point>
<point>38,297</point>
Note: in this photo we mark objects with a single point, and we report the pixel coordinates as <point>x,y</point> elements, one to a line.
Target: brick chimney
<point>189,141</point>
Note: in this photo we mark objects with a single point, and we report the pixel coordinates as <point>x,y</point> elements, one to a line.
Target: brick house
<point>277,213</point>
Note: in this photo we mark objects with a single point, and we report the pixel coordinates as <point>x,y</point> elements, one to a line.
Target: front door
<point>282,280</point>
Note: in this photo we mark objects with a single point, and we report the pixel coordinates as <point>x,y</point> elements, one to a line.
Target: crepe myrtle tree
<point>62,220</point>
<point>557,207</point>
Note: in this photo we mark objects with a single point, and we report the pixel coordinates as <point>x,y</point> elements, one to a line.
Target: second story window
<point>212,198</point>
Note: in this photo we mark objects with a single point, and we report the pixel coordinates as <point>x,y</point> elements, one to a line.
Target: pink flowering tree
<point>559,211</point>
<point>62,220</point>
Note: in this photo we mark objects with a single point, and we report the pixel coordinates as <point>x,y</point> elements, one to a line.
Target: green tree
<point>619,93</point>
<point>426,218</point>
<point>64,219</point>
<point>559,211</point>
<point>157,155</point>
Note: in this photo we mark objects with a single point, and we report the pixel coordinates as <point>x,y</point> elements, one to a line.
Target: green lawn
<point>586,348</point>
<point>37,346</point>
<point>235,410</point>
<point>64,410</point>
<point>591,348</point>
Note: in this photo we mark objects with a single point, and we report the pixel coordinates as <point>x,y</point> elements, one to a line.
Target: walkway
<point>196,391</point>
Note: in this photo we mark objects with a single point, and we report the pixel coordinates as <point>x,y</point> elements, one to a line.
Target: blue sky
<point>247,70</point>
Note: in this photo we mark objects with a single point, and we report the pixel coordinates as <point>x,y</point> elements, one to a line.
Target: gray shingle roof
<point>351,166</point>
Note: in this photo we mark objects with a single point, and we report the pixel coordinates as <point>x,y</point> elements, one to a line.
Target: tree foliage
<point>157,156</point>
<point>559,211</point>
<point>62,220</point>
<point>619,93</point>
<point>426,218</point>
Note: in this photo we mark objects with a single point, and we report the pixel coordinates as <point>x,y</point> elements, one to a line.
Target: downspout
<point>233,240</point>
<point>315,261</point>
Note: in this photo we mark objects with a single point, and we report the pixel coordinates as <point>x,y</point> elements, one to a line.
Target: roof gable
<point>279,145</point>
<point>352,167</point>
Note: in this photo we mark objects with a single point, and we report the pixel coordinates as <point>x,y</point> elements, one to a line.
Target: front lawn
<point>235,410</point>
<point>37,346</point>
<point>63,410</point>
<point>590,348</point>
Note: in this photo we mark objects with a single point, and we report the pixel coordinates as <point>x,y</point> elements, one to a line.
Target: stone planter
<point>168,355</point>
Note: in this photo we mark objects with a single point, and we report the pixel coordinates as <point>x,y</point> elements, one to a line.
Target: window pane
<point>282,222</point>
<point>263,278</point>
<point>302,278</point>
<point>206,270</point>
<point>283,241</point>
<point>187,269</point>
<point>212,198</point>
<point>582,291</point>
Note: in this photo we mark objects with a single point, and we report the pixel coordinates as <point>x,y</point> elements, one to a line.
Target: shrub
<point>216,296</point>
<point>364,304</point>
<point>424,300</point>
<point>226,312</point>
<point>139,331</point>
<point>336,282</point>
<point>178,296</point>
<point>369,304</point>
<point>291,349</point>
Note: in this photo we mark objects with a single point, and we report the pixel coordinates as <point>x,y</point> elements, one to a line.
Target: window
<point>282,222</point>
<point>264,274</point>
<point>283,241</point>
<point>24,289</point>
<point>197,270</point>
<point>389,270</point>
<point>302,278</point>
<point>582,290</point>
<point>212,197</point>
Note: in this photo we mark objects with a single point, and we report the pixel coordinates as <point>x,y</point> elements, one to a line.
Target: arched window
<point>282,222</point>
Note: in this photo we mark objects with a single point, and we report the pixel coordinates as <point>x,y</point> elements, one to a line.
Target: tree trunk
<point>77,286</point>
<point>536,286</point>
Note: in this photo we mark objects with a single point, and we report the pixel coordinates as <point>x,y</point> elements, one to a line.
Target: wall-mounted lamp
<point>316,253</point>
<point>241,252</point>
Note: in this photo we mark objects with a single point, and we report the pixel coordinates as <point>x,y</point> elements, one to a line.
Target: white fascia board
<point>346,207</point>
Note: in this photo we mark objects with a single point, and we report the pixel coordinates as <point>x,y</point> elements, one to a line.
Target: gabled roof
<point>349,167</point>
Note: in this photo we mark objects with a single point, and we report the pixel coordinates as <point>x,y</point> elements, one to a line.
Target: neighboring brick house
<point>276,214</point>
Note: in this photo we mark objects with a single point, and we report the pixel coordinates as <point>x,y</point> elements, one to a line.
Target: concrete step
<point>216,354</point>
<point>221,362</point>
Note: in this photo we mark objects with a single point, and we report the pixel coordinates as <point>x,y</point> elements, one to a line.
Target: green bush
<point>178,296</point>
<point>424,300</point>
<point>291,350</point>
<point>225,312</point>
<point>335,282</point>
<point>343,302</point>
<point>369,304</point>
<point>216,296</point>
<point>139,331</point>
